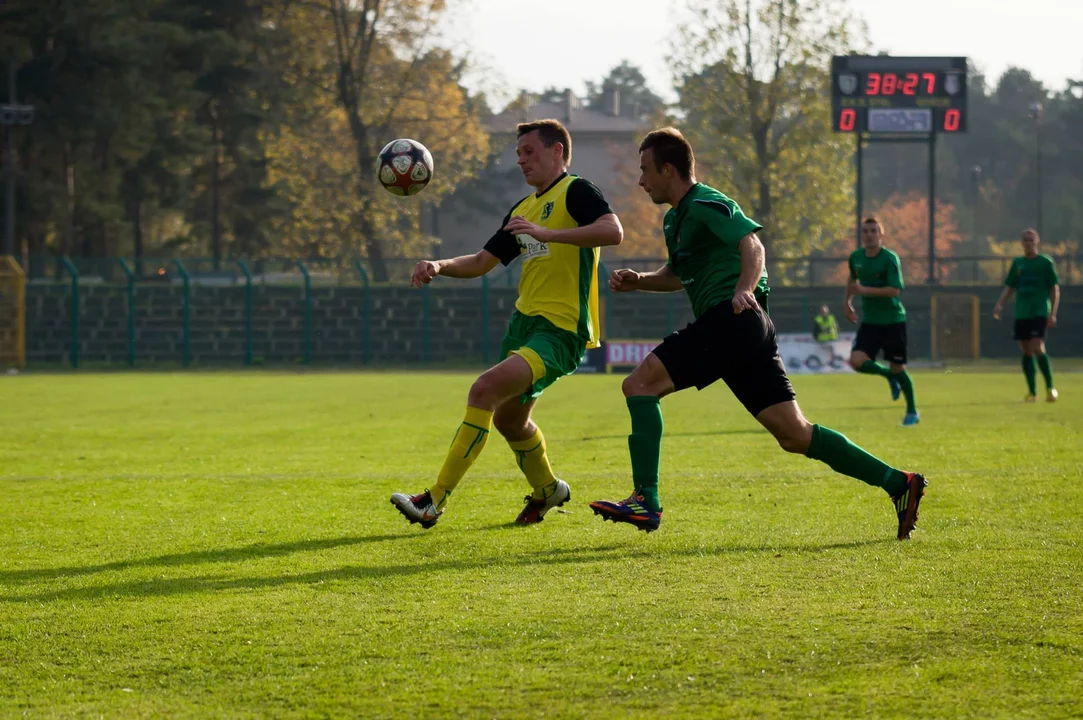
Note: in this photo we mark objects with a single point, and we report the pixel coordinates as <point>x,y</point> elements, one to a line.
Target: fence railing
<point>809,271</point>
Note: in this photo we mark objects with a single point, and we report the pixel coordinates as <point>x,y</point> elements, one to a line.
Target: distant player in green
<point>876,276</point>
<point>715,256</point>
<point>1033,279</point>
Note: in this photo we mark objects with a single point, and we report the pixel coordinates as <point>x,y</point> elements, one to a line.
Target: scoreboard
<point>881,94</point>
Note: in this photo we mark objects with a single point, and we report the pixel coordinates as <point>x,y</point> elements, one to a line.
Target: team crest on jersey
<point>532,248</point>
<point>547,210</point>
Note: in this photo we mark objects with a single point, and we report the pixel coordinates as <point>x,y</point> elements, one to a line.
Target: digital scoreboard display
<point>881,94</point>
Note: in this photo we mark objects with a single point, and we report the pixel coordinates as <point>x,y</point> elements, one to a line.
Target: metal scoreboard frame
<point>884,98</point>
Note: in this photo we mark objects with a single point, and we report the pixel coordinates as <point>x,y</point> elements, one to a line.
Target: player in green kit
<point>876,276</point>
<point>1033,278</point>
<point>715,256</point>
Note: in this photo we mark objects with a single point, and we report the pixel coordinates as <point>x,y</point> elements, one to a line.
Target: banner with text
<point>802,355</point>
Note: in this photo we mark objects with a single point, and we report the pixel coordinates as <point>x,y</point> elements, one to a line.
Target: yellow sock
<point>465,447</point>
<point>534,463</point>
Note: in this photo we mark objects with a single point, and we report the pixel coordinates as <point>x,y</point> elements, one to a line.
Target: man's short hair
<point>1031,231</point>
<point>667,145</point>
<point>550,132</point>
<point>873,220</point>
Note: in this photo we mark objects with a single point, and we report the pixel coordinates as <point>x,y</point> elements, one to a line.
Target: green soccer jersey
<point>880,270</point>
<point>702,236</point>
<point>1032,279</point>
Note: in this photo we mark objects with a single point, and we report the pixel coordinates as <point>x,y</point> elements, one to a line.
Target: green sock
<point>645,446</point>
<point>837,452</point>
<point>907,386</point>
<point>1047,370</point>
<point>1031,375</point>
<point>871,367</point>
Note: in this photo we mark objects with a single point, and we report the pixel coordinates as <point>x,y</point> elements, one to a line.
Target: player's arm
<point>599,226</point>
<point>1054,296</point>
<point>753,257</point>
<point>1010,284</point>
<point>464,266</point>
<point>662,280</point>
<point>848,300</point>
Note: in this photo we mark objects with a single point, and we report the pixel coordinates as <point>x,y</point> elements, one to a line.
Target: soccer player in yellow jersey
<point>557,231</point>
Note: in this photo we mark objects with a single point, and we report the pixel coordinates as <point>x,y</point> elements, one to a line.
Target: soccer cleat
<point>1052,395</point>
<point>911,418</point>
<point>535,509</point>
<point>417,508</point>
<point>896,388</point>
<point>1030,398</point>
<point>906,503</point>
<point>631,510</point>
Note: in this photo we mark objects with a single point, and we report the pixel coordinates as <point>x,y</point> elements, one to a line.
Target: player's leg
<point>895,352</point>
<point>1042,358</point>
<point>866,347</point>
<point>1021,333</point>
<point>508,379</point>
<point>643,390</point>
<point>551,354</point>
<point>796,435</point>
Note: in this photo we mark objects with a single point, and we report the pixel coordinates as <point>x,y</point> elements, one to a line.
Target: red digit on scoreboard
<point>872,84</point>
<point>910,85</point>
<point>891,80</point>
<point>930,83</point>
<point>951,120</point>
<point>847,119</point>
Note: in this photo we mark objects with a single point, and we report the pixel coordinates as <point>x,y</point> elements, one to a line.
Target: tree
<point>391,81</point>
<point>753,90</point>
<point>636,99</point>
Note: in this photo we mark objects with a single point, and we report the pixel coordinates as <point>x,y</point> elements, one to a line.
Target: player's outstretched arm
<point>604,231</point>
<point>662,280</point>
<point>464,266</point>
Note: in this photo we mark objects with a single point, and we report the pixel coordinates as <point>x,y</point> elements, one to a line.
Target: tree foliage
<point>752,82</point>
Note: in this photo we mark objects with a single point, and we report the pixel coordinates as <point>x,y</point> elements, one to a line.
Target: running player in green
<point>876,276</point>
<point>715,256</point>
<point>1033,278</point>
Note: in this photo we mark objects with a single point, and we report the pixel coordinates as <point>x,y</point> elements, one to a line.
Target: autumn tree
<point>390,79</point>
<point>753,81</point>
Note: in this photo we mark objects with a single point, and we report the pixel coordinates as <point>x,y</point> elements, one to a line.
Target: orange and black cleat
<point>631,511</point>
<point>906,503</point>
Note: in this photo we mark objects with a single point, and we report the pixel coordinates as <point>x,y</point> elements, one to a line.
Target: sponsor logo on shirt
<point>532,248</point>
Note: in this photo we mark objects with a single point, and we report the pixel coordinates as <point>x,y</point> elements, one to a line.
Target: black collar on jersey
<point>552,184</point>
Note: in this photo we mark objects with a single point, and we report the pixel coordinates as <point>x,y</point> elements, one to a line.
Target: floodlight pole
<point>9,213</point>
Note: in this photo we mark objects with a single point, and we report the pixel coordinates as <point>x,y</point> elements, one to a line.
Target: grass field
<point>206,544</point>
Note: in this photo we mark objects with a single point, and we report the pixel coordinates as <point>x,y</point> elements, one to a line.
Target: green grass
<point>222,545</point>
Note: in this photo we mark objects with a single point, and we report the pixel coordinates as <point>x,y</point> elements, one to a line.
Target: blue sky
<point>523,43</point>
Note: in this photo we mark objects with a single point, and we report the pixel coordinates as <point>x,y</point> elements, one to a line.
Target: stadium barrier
<point>261,311</point>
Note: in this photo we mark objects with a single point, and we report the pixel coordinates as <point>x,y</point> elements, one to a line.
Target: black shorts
<point>1029,329</point>
<point>739,349</point>
<point>871,339</point>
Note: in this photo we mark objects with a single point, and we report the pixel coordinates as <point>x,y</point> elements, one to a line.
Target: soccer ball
<point>404,167</point>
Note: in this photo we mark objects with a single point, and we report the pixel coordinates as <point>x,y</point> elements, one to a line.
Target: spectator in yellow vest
<point>824,327</point>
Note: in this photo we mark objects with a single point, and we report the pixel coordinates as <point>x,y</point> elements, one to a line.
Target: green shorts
<point>551,352</point>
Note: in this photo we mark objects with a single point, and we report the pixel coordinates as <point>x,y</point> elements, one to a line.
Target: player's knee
<point>511,427</point>
<point>856,362</point>
<point>483,393</point>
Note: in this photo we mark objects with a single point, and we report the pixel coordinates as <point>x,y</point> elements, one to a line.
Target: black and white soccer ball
<point>404,167</point>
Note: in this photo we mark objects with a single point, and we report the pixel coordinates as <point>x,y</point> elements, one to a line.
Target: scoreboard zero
<point>880,94</point>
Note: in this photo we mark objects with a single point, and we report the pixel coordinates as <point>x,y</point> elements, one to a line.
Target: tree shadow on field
<point>711,433</point>
<point>576,556</point>
<point>236,554</point>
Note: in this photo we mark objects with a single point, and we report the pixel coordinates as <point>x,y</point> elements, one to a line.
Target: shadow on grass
<point>160,587</point>
<point>712,433</point>
<point>238,554</point>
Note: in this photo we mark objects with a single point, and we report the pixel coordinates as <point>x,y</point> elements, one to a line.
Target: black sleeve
<point>503,244</point>
<point>585,202</point>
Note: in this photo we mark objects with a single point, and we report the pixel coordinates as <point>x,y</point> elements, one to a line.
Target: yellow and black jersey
<point>559,282</point>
